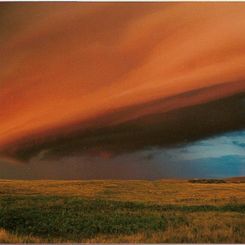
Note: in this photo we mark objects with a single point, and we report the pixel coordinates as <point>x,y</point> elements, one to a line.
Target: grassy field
<point>170,211</point>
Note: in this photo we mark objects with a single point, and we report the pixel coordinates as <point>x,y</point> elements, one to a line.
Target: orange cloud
<point>68,62</point>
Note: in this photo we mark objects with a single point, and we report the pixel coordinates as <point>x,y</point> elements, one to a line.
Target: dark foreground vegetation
<point>57,218</point>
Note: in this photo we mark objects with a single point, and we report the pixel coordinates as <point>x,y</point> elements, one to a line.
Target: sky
<point>108,81</point>
<point>220,156</point>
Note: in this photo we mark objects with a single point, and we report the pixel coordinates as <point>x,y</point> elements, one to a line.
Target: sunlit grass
<point>162,191</point>
<point>121,211</point>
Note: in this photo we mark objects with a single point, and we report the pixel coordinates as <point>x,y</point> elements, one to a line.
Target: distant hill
<point>236,179</point>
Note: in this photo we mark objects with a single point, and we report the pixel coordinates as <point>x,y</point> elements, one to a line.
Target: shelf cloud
<point>111,78</point>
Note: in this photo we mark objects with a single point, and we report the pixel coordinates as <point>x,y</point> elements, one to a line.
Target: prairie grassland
<point>7,237</point>
<point>121,211</point>
<point>160,191</point>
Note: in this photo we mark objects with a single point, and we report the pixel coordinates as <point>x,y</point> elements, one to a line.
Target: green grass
<point>45,217</point>
<point>75,218</point>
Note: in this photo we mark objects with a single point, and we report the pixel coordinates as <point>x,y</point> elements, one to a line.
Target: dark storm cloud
<point>242,145</point>
<point>105,79</point>
<point>179,126</point>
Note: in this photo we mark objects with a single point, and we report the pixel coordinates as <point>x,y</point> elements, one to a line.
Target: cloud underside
<point>179,126</point>
<point>112,78</point>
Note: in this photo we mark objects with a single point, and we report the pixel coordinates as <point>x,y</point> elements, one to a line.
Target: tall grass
<point>52,218</point>
<point>121,211</point>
